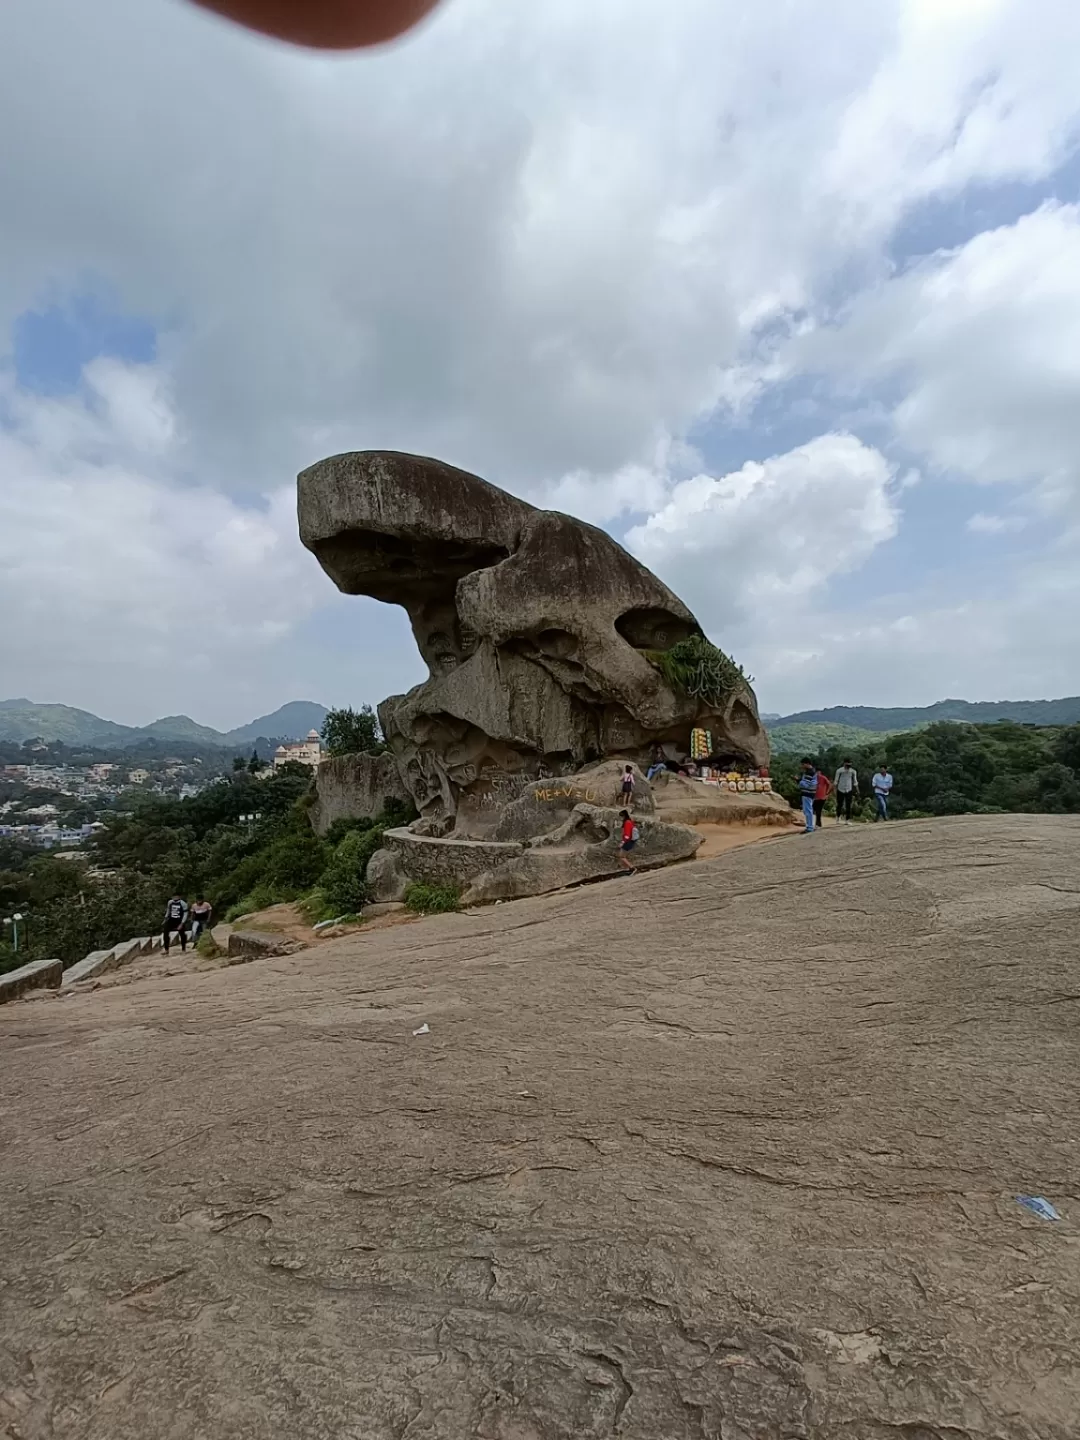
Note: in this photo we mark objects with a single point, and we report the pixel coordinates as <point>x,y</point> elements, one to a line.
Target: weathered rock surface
<point>684,801</point>
<point>729,1150</point>
<point>533,626</point>
<point>545,804</point>
<point>451,861</point>
<point>584,847</point>
<point>256,944</point>
<point>354,787</point>
<point>386,880</point>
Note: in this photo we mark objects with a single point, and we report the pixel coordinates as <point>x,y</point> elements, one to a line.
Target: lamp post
<point>13,921</point>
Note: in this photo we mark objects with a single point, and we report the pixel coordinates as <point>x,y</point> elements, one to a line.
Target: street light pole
<point>13,921</point>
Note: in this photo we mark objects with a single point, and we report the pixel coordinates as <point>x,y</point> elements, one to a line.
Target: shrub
<point>346,826</point>
<point>396,813</point>
<point>343,886</point>
<point>294,863</point>
<point>261,898</point>
<point>696,667</point>
<point>313,906</point>
<point>432,899</point>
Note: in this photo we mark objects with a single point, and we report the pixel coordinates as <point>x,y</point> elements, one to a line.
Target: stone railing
<point>38,975</point>
<point>51,975</point>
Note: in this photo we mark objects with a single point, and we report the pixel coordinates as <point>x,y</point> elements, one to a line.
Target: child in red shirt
<point>628,841</point>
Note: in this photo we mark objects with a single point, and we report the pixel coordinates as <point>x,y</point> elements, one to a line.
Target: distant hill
<point>975,712</point>
<point>293,720</point>
<point>180,727</point>
<point>23,720</point>
<point>59,722</point>
<point>808,738</point>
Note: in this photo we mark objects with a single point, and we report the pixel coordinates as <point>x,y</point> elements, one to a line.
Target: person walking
<point>175,923</point>
<point>808,790</point>
<point>628,787</point>
<point>821,794</point>
<point>202,913</point>
<point>627,842</point>
<point>882,783</point>
<point>846,784</point>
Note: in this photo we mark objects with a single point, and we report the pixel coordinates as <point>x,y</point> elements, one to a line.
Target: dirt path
<point>719,839</point>
<point>728,1151</point>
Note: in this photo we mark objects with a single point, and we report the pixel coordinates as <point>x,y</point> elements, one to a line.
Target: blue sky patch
<point>52,344</point>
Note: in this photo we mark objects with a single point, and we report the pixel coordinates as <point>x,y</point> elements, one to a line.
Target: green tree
<point>353,732</point>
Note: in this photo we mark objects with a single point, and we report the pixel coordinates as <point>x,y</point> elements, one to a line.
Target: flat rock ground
<point>729,1151</point>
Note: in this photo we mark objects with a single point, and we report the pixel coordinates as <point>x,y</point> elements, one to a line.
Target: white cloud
<point>542,242</point>
<point>1012,637</point>
<point>984,342</point>
<point>760,541</point>
<point>123,580</point>
<point>528,239</point>
<point>983,524</point>
<point>970,91</point>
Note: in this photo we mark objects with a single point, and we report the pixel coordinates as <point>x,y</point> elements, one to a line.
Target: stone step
<point>38,975</point>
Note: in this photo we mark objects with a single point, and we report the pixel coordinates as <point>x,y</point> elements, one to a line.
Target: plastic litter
<point>1038,1206</point>
<point>425,1029</point>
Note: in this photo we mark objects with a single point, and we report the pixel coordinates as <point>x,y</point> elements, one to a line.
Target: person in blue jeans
<point>882,783</point>
<point>808,789</point>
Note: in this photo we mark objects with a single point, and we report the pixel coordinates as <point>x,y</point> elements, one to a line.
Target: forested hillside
<point>814,737</point>
<point>975,712</point>
<point>244,842</point>
<point>956,769</point>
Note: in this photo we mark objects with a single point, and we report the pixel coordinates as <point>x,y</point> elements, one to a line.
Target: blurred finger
<point>326,24</point>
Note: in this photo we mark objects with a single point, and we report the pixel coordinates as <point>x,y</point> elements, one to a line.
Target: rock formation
<point>536,629</point>
<point>354,787</point>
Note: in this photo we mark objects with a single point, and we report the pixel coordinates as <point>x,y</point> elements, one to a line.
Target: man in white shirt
<point>846,785</point>
<point>882,783</point>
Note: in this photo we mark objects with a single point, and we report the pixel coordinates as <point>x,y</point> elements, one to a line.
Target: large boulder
<point>355,787</point>
<point>536,629</point>
<point>386,881</point>
<point>585,847</point>
<point>683,801</point>
<point>543,805</point>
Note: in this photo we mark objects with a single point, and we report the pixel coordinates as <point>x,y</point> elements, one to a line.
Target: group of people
<point>815,787</point>
<point>182,920</point>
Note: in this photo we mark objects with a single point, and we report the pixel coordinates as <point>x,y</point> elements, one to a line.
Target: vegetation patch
<point>245,843</point>
<point>697,667</point>
<point>956,769</point>
<point>208,947</point>
<point>432,899</point>
<point>808,738</point>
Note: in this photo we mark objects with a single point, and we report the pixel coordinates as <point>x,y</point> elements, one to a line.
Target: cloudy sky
<point>786,296</point>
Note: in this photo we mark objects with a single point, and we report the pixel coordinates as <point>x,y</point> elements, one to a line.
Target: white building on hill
<point>303,752</point>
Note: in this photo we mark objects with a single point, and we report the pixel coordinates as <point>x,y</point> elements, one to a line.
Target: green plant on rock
<point>432,899</point>
<point>343,883</point>
<point>208,947</point>
<point>696,667</point>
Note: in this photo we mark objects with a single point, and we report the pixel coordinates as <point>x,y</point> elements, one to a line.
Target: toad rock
<point>540,633</point>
